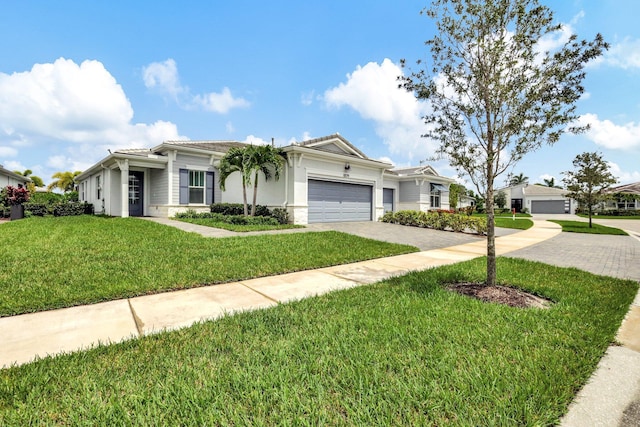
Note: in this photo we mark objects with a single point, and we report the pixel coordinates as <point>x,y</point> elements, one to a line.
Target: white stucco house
<point>11,178</point>
<point>325,179</point>
<point>538,199</point>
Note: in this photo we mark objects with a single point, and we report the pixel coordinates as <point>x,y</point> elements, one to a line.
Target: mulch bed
<point>500,294</point>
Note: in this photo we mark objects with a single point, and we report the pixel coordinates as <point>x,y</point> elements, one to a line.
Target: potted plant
<point>16,196</point>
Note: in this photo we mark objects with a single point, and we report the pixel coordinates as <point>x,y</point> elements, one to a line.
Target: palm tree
<point>236,160</point>
<point>65,181</point>
<point>518,179</point>
<point>266,159</point>
<point>551,182</point>
<point>36,180</point>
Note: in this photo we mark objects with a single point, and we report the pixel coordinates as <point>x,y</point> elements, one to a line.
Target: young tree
<point>455,192</point>
<point>494,95</point>
<point>588,181</point>
<point>500,199</point>
<point>266,159</point>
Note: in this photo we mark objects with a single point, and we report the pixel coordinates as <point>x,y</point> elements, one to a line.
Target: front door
<point>136,180</point>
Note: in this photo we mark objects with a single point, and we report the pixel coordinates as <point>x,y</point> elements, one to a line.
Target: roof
<point>633,188</point>
<point>542,190</point>
<point>210,145</point>
<point>327,143</point>
<point>414,170</point>
<point>14,175</point>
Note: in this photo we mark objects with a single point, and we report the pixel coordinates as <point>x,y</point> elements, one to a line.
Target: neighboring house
<point>626,197</point>
<point>11,178</point>
<point>538,199</point>
<point>324,180</point>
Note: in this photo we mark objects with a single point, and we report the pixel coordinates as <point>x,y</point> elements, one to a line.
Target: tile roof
<point>216,146</point>
<point>633,188</point>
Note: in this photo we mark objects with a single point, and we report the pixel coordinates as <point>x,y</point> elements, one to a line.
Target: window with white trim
<point>435,196</point>
<point>98,188</point>
<point>196,186</point>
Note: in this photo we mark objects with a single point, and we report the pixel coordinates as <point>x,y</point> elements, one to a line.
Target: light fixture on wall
<point>347,166</point>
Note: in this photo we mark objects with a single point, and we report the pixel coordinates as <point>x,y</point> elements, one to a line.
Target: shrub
<point>281,215</point>
<point>238,209</point>
<point>47,198</point>
<point>438,220</point>
<point>72,208</point>
<point>14,195</point>
<point>37,209</point>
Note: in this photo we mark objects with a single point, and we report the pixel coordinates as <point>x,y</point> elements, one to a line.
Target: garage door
<point>338,201</point>
<point>548,206</point>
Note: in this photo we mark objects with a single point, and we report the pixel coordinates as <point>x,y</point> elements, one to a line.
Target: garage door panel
<point>549,206</point>
<point>336,201</point>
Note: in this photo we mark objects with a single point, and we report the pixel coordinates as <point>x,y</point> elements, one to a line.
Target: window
<point>98,188</point>
<point>435,195</point>
<point>82,188</point>
<point>196,186</point>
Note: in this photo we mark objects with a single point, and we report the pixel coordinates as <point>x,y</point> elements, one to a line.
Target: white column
<point>124,187</point>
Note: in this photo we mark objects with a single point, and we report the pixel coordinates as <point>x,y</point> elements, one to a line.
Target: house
<point>325,179</point>
<point>538,199</point>
<point>626,197</point>
<point>11,178</point>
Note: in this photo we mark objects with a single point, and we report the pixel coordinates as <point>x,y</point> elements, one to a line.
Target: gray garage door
<point>548,206</point>
<point>338,201</point>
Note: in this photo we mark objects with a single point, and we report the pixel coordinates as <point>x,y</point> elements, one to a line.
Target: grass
<point>400,352</point>
<point>506,220</point>
<point>209,222</point>
<point>60,262</point>
<point>601,216</point>
<point>583,227</point>
<point>518,223</point>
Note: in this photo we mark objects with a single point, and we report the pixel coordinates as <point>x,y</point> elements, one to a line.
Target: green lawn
<point>209,222</point>
<point>600,216</point>
<point>583,227</point>
<point>518,223</point>
<point>506,220</point>
<point>400,352</point>
<point>59,262</point>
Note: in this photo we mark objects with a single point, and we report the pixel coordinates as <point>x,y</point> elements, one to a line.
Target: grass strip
<point>241,228</point>
<point>604,216</point>
<point>518,223</point>
<point>583,227</point>
<point>400,352</point>
<point>54,262</point>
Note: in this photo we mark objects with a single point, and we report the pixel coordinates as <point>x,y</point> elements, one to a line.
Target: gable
<point>334,144</point>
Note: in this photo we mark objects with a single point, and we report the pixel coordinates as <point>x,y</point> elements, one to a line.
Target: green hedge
<point>229,219</point>
<point>437,221</point>
<point>237,209</point>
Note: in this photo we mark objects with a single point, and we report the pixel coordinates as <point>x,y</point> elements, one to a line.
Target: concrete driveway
<point>423,238</point>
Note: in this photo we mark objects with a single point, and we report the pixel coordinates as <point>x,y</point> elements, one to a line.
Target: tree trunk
<point>255,194</point>
<point>491,239</point>
<point>244,198</point>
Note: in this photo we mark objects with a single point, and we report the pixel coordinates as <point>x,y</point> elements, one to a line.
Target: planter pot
<point>17,212</point>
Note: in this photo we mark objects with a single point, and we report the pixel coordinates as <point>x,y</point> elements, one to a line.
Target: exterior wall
<point>529,199</point>
<point>159,186</point>
<point>88,191</point>
<point>6,180</point>
<point>302,167</point>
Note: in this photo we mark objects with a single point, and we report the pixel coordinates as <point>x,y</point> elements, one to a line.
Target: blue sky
<point>78,78</point>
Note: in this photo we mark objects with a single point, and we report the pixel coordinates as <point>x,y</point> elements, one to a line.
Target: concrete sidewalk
<point>609,399</point>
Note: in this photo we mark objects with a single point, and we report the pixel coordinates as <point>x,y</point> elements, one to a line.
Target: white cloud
<point>623,176</point>
<point>307,98</point>
<point>553,41</point>
<point>220,102</point>
<point>625,55</point>
<point>58,103</point>
<point>229,127</point>
<point>8,152</point>
<point>373,92</point>
<point>610,135</point>
<point>14,165</point>
<point>251,139</point>
<point>163,76</point>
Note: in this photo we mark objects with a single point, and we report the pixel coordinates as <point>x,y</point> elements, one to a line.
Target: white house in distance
<point>325,179</point>
<point>538,199</point>
<point>11,178</point>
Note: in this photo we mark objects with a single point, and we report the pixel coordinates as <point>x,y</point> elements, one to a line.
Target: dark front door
<point>516,204</point>
<point>136,180</point>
